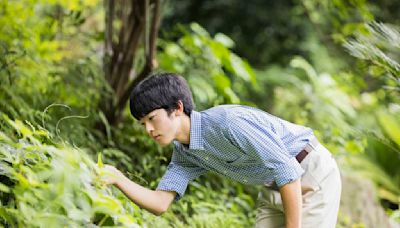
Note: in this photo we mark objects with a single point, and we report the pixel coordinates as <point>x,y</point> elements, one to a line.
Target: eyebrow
<point>149,116</point>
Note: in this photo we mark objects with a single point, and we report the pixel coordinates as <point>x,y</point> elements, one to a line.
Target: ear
<point>179,108</point>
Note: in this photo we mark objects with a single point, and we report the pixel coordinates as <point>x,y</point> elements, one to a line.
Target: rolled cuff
<point>287,172</point>
<point>178,186</point>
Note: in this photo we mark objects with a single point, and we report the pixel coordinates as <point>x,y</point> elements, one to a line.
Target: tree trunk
<point>139,24</point>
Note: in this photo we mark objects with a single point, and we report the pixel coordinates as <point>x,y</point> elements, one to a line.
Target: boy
<point>301,179</point>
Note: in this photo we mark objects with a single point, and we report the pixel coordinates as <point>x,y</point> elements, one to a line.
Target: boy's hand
<point>111,175</point>
<point>157,202</point>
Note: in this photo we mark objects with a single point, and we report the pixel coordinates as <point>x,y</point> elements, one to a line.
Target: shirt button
<point>225,172</point>
<point>207,158</point>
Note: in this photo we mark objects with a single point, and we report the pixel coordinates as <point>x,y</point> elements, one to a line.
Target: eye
<point>151,118</point>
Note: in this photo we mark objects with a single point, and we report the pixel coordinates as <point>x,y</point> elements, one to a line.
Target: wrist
<point>119,180</point>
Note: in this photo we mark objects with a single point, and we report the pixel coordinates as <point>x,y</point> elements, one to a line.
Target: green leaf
<point>388,195</point>
<point>4,188</point>
<point>222,81</point>
<point>99,160</point>
<point>390,125</point>
<point>225,40</point>
<point>241,68</point>
<point>199,30</point>
<point>4,138</point>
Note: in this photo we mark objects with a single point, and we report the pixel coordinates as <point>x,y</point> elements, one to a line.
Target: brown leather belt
<point>309,147</point>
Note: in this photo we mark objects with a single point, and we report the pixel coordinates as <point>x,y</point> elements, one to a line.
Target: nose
<point>149,128</point>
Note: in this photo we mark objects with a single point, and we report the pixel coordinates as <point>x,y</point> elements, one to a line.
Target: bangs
<point>158,91</point>
<point>144,102</point>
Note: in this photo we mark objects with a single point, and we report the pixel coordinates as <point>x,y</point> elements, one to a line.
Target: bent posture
<point>301,180</point>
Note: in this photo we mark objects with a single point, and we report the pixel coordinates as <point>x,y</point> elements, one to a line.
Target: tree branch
<point>150,58</point>
<point>108,52</point>
<point>129,22</point>
<point>154,33</point>
<point>128,57</point>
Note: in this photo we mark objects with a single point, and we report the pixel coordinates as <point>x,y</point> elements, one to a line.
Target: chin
<point>164,143</point>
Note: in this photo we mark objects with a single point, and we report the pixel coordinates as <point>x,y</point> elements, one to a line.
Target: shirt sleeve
<point>178,175</point>
<point>258,140</point>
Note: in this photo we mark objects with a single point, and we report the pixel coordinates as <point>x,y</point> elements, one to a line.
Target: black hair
<point>161,90</point>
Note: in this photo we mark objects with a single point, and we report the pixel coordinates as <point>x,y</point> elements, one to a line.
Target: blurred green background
<point>67,67</point>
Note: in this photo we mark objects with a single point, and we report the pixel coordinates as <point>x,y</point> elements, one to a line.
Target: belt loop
<point>311,144</point>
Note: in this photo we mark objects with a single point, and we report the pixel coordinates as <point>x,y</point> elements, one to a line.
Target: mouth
<point>157,137</point>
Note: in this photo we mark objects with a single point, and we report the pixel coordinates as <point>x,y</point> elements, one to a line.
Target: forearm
<point>292,203</point>
<point>156,202</point>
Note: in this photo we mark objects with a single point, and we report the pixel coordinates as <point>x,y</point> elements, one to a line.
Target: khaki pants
<point>321,189</point>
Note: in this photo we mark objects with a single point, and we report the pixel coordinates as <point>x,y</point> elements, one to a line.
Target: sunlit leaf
<point>199,30</point>
<point>99,161</point>
<point>225,40</point>
<point>4,188</point>
<point>391,126</point>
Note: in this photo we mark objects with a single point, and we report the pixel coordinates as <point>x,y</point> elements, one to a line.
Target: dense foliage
<point>329,66</point>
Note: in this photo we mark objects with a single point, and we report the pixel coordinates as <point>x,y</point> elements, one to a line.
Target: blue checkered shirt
<point>239,142</point>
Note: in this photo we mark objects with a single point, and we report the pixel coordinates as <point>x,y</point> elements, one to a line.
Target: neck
<point>183,134</point>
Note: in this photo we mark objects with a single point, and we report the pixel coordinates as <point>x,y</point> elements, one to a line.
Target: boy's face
<point>161,127</point>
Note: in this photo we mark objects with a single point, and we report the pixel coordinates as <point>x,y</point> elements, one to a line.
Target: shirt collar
<point>196,139</point>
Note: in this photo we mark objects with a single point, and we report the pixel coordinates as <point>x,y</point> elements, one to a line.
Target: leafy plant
<point>379,46</point>
<point>52,184</point>
<point>216,75</point>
